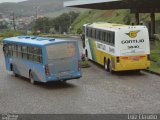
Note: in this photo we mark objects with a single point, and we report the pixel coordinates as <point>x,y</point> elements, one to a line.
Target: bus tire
<point>15,75</point>
<point>105,64</point>
<point>137,71</point>
<point>31,78</point>
<point>12,69</point>
<point>64,81</point>
<point>86,53</point>
<point>110,67</point>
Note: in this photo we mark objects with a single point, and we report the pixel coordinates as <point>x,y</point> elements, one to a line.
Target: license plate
<point>64,74</point>
<point>135,58</point>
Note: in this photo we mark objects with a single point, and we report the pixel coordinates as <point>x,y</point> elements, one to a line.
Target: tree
<point>3,25</point>
<point>42,24</point>
<point>79,31</point>
<point>64,21</point>
<point>60,24</point>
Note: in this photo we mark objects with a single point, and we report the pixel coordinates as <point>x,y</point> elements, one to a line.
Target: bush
<point>79,31</point>
<point>84,64</point>
<point>9,34</point>
<point>156,37</point>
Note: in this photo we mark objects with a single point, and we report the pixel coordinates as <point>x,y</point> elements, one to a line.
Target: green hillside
<point>121,16</point>
<point>28,8</point>
<point>113,16</point>
<point>60,12</point>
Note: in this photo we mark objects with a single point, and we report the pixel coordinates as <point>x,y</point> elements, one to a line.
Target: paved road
<point>96,92</point>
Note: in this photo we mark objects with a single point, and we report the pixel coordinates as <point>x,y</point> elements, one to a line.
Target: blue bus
<point>42,59</point>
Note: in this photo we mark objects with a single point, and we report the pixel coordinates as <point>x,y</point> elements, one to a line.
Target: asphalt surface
<point>96,92</point>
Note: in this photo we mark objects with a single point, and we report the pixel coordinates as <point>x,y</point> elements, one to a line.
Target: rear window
<point>60,51</point>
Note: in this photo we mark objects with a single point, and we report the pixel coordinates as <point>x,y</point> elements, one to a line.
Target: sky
<point>1,1</point>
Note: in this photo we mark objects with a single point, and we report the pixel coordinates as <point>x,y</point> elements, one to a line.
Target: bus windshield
<point>61,51</point>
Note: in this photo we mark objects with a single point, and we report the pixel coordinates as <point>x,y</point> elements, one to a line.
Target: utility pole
<point>37,9</point>
<point>14,25</point>
<point>69,24</point>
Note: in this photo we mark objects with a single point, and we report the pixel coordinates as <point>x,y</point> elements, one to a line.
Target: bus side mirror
<point>5,49</point>
<point>83,37</point>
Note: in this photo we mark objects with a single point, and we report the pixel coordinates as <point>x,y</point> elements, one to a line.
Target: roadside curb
<point>75,37</point>
<point>149,71</point>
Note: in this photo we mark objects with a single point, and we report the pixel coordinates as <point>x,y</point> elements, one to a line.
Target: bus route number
<point>131,47</point>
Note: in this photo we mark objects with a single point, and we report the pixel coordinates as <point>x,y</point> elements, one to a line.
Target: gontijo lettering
<point>132,41</point>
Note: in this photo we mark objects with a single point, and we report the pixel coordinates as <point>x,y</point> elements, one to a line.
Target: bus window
<point>107,37</point>
<point>103,36</point>
<point>112,38</point>
<point>98,34</point>
<point>87,32</point>
<point>37,57</point>
<point>10,50</point>
<point>90,35</point>
<point>66,50</point>
<point>14,50</point>
<point>93,33</point>
<point>19,52</point>
<point>30,53</point>
<point>24,52</point>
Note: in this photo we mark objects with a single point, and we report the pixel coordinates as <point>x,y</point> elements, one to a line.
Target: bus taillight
<point>118,59</point>
<point>125,58</point>
<point>148,57</point>
<point>47,70</point>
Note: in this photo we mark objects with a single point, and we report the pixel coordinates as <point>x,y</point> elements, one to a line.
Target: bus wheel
<point>16,75</point>
<point>64,81</point>
<point>110,67</point>
<point>105,65</point>
<point>31,78</point>
<point>86,53</point>
<point>137,71</point>
<point>12,69</point>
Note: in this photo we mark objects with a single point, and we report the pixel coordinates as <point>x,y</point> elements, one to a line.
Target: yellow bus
<point>117,47</point>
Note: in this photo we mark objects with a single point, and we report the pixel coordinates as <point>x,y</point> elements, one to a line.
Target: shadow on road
<point>49,85</point>
<point>120,73</point>
<point>129,73</point>
<point>56,85</point>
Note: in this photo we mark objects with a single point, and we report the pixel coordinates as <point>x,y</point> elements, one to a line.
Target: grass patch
<point>1,39</point>
<point>155,67</point>
<point>155,56</point>
<point>91,16</point>
<point>85,64</point>
<point>9,33</point>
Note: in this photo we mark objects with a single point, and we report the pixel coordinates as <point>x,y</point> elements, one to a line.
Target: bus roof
<point>33,40</point>
<point>113,26</point>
